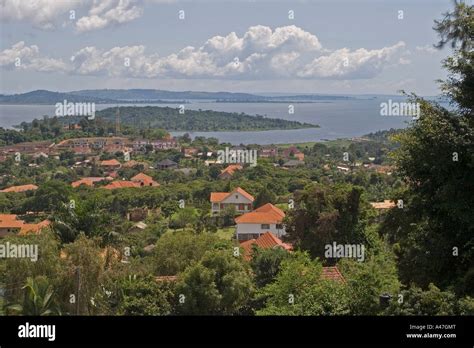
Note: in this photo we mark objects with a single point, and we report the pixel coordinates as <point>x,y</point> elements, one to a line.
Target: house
<point>190,152</point>
<point>10,224</point>
<point>121,184</point>
<point>209,163</point>
<point>332,273</point>
<point>268,152</point>
<point>343,168</point>
<point>139,226</point>
<point>267,218</point>
<point>144,180</point>
<point>238,198</point>
<point>266,241</point>
<point>137,214</point>
<point>293,163</point>
<point>229,171</point>
<point>89,181</point>
<point>167,164</point>
<point>20,188</point>
<point>386,204</point>
<point>110,164</point>
<point>33,228</point>
<point>293,152</point>
<point>166,143</point>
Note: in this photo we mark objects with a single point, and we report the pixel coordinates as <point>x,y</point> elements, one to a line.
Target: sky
<point>327,47</point>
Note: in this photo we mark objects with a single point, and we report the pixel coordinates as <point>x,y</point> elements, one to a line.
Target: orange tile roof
<point>121,184</point>
<point>265,241</point>
<point>10,221</point>
<point>266,214</point>
<point>89,181</point>
<point>145,179</point>
<point>33,228</point>
<point>231,169</point>
<point>386,204</point>
<point>220,196</point>
<point>20,188</point>
<point>332,273</point>
<point>112,162</point>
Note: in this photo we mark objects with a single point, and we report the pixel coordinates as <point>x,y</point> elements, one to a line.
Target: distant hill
<point>192,120</point>
<point>124,96</point>
<point>156,94</point>
<point>48,97</point>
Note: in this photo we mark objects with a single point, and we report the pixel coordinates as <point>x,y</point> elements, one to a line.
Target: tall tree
<point>435,230</point>
<point>219,284</point>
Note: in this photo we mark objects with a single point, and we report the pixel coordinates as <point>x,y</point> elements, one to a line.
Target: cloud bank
<point>51,14</point>
<point>260,53</point>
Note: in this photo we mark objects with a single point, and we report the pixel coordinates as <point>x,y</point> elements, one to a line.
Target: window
<point>265,226</point>
<point>279,226</point>
<point>236,197</point>
<point>241,207</point>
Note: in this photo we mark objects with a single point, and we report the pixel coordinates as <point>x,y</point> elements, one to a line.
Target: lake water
<point>337,119</point>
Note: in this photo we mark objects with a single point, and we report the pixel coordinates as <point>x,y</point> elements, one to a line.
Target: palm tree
<point>38,300</point>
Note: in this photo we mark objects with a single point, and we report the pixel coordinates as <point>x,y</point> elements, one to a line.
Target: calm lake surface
<point>337,119</point>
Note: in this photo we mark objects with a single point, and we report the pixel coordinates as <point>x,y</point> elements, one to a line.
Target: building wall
<point>247,229</point>
<point>215,209</point>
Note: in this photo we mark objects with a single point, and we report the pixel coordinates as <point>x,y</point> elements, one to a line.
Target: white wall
<point>256,228</point>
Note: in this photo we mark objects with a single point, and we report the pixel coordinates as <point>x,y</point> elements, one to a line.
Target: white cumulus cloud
<point>426,49</point>
<point>23,57</point>
<point>107,12</point>
<point>49,14</point>
<point>260,53</point>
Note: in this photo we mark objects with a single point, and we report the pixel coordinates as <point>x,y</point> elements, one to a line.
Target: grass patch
<point>226,233</point>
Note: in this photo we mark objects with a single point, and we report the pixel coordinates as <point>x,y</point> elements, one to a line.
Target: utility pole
<point>78,288</point>
<point>117,122</point>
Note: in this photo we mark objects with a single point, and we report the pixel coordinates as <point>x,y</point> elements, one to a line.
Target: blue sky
<point>344,47</point>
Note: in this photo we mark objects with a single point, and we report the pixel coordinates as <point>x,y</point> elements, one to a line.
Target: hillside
<point>196,120</point>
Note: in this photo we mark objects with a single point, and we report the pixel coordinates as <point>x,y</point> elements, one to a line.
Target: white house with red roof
<point>267,218</point>
<point>239,198</point>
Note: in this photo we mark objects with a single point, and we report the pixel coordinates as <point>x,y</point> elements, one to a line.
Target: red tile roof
<point>121,184</point>
<point>217,197</point>
<point>11,221</point>
<point>33,228</point>
<point>231,169</point>
<point>145,179</point>
<point>21,188</point>
<point>332,273</point>
<point>110,163</point>
<point>266,214</point>
<point>266,241</point>
<point>89,181</point>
